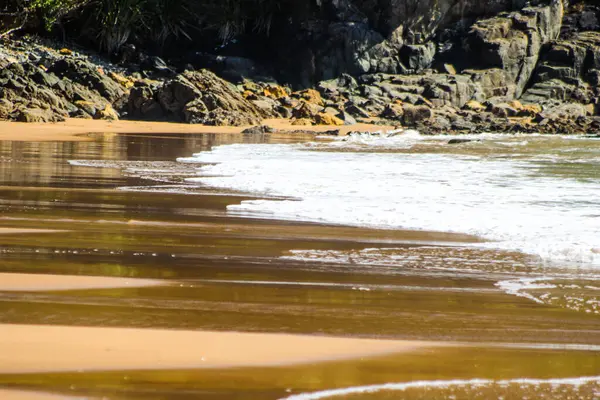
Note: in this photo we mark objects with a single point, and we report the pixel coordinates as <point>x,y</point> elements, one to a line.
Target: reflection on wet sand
<point>243,273</point>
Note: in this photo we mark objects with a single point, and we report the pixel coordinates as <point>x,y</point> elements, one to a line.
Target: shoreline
<point>74,129</point>
<point>42,348</point>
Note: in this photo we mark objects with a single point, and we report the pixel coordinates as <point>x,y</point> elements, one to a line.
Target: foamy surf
<point>541,388</point>
<point>506,200</point>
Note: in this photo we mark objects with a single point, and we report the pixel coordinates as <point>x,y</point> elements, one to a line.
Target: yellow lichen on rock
<point>324,118</point>
<point>310,96</point>
<point>302,121</point>
<point>275,92</point>
<point>108,113</point>
<point>474,106</point>
<point>120,79</point>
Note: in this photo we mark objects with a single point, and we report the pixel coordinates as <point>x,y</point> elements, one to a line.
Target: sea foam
<point>501,199</point>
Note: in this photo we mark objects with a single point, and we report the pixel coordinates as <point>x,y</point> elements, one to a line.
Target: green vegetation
<point>109,24</point>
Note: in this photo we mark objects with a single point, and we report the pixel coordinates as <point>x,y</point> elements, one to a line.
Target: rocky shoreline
<point>534,70</point>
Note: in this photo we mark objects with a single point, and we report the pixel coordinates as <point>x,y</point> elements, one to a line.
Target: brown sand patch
<point>68,130</point>
<point>13,282</point>
<point>38,348</point>
<point>7,394</point>
<point>10,231</point>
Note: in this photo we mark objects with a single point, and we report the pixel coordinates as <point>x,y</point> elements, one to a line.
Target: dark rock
<point>415,114</point>
<point>258,130</point>
<point>6,109</point>
<point>143,104</point>
<point>347,118</point>
<point>88,75</point>
<point>460,141</point>
<point>156,64</point>
<point>36,115</point>
<point>306,110</point>
<point>417,57</point>
<point>513,43</point>
<point>203,98</point>
<point>356,111</point>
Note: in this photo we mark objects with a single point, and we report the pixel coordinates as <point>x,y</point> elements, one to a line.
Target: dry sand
<point>13,282</point>
<point>39,348</point>
<point>73,129</point>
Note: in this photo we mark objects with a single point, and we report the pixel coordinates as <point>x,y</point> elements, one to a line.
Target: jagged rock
<point>416,114</point>
<point>461,141</point>
<point>310,96</point>
<point>568,72</point>
<point>89,76</point>
<point>393,111</point>
<point>107,113</point>
<point>324,118</point>
<point>258,130</point>
<point>88,107</point>
<point>512,42</point>
<point>474,106</point>
<point>301,121</point>
<point>568,111</point>
<point>6,109</point>
<point>417,57</point>
<point>36,115</point>
<point>347,118</point>
<point>143,104</point>
<point>203,98</point>
<point>355,110</point>
<point>306,110</point>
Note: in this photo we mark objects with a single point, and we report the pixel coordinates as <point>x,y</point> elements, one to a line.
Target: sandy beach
<point>37,348</point>
<point>12,282</point>
<point>186,297</point>
<point>13,231</point>
<point>74,129</point>
<point>6,394</point>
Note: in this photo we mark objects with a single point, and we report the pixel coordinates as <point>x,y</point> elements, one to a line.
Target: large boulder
<point>201,97</point>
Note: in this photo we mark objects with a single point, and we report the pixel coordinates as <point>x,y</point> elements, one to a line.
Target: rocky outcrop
<point>511,43</point>
<point>200,97</point>
<point>31,94</point>
<point>569,71</point>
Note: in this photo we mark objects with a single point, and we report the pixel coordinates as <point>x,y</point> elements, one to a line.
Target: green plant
<point>17,14</point>
<point>118,19</point>
<point>172,20</point>
<point>51,11</point>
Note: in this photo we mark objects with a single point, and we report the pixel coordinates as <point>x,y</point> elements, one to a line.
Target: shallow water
<point>238,225</point>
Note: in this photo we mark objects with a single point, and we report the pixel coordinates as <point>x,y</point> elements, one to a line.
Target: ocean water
<point>535,200</point>
<point>511,191</point>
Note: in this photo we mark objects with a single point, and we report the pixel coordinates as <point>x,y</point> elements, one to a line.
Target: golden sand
<point>39,348</point>
<point>11,231</point>
<point>13,282</point>
<point>72,129</point>
<point>7,394</point>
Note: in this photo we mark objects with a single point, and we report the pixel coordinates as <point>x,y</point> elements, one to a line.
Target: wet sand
<point>6,394</point>
<point>227,272</point>
<point>11,282</point>
<point>35,348</point>
<point>74,129</point>
<point>13,231</point>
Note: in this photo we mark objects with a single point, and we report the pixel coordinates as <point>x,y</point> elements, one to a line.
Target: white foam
<point>519,287</point>
<point>554,217</point>
<point>440,384</point>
